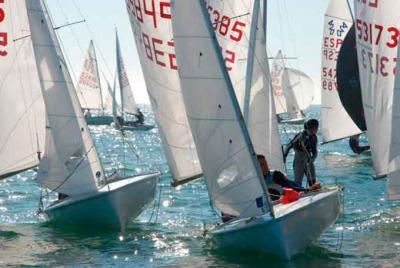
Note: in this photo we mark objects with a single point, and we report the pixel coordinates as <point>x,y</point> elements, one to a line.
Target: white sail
<point>288,85</point>
<point>233,178</point>
<point>278,67</point>
<point>337,23</point>
<point>155,46</point>
<point>22,116</point>
<point>257,105</point>
<point>89,87</point>
<point>128,103</point>
<point>70,164</point>
<point>108,98</point>
<point>377,64</point>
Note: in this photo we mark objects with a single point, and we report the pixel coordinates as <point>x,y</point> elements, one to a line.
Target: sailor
<point>354,143</point>
<point>305,148</point>
<point>139,118</point>
<point>276,180</point>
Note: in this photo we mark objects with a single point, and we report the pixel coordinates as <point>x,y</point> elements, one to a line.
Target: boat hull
<point>138,128</point>
<point>298,121</point>
<point>99,120</point>
<point>293,229</point>
<point>112,207</point>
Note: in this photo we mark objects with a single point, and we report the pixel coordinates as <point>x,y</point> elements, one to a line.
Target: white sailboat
<point>128,103</point>
<point>377,64</point>
<point>69,164</point>
<point>226,153</point>
<point>293,91</point>
<point>336,123</point>
<point>89,91</point>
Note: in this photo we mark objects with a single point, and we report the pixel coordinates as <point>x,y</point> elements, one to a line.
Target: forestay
<point>89,87</point>
<point>377,55</point>
<point>128,103</point>
<point>70,164</point>
<point>233,178</point>
<point>337,23</point>
<point>155,46</point>
<point>239,26</point>
<point>22,117</point>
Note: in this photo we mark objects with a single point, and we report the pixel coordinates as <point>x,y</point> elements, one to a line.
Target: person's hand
<point>315,187</point>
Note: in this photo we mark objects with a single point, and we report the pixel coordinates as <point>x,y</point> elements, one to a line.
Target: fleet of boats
<point>217,106</point>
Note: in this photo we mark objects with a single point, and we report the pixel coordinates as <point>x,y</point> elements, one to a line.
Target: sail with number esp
<point>89,87</point>
<point>155,47</point>
<point>230,167</point>
<point>70,164</point>
<point>337,23</point>
<point>22,115</point>
<point>377,55</point>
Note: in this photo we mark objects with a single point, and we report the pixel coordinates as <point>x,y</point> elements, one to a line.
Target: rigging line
<point>291,32</point>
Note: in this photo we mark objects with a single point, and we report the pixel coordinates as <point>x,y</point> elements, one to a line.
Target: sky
<point>294,26</point>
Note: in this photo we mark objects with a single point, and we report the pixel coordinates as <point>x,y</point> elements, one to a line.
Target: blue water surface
<point>170,231</point>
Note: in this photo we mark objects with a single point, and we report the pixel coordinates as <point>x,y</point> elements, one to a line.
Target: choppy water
<point>367,234</point>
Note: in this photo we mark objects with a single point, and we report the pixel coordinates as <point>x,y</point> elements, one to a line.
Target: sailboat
<point>90,93</point>
<point>293,91</point>
<point>336,122</point>
<point>377,64</point>
<point>224,144</point>
<point>67,160</point>
<point>128,103</point>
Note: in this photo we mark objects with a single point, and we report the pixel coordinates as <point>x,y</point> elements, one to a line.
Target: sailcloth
<point>22,116</point>
<point>278,67</point>
<point>231,171</point>
<point>254,93</point>
<point>336,123</point>
<point>89,87</point>
<point>159,67</point>
<point>70,164</point>
<point>128,103</point>
<point>377,64</point>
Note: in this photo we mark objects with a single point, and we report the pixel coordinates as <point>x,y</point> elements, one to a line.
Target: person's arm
<point>289,147</point>
<point>314,148</point>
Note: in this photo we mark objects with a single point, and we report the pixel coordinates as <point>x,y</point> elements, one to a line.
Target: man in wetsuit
<point>305,148</point>
<point>354,143</point>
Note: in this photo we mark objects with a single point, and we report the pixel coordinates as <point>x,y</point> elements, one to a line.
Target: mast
<point>250,59</point>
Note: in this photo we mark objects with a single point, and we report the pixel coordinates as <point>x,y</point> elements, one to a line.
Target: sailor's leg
<point>310,173</point>
<point>298,167</point>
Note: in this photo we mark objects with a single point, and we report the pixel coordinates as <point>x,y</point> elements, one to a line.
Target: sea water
<point>170,231</point>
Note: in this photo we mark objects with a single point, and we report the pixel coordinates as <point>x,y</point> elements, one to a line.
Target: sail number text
<point>370,3</point>
<point>3,35</point>
<point>373,33</point>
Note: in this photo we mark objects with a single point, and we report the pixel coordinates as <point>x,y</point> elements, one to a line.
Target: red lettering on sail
<point>3,35</point>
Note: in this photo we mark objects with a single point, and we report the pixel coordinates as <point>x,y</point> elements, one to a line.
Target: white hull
<point>295,227</point>
<point>112,207</point>
<point>297,121</point>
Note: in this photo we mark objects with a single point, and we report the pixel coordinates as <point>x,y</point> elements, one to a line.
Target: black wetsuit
<point>305,148</point>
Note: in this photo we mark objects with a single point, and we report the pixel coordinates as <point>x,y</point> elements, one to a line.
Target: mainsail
<point>128,103</point>
<point>22,116</point>
<point>230,167</point>
<point>89,87</point>
<point>338,21</point>
<point>155,46</point>
<point>278,67</point>
<point>70,164</point>
<point>377,54</point>
<point>249,71</point>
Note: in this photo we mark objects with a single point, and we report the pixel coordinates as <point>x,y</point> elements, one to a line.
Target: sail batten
<point>337,23</point>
